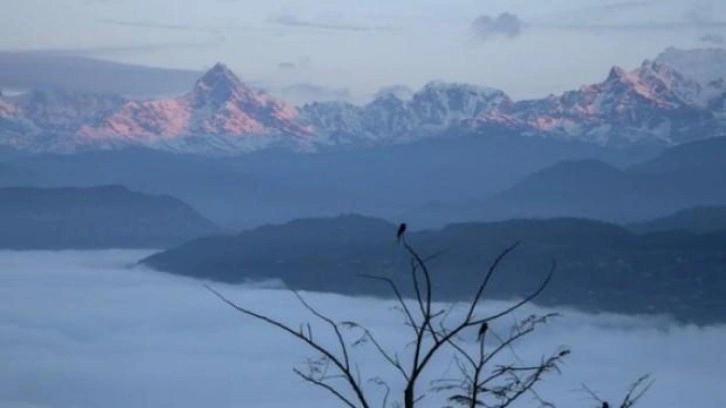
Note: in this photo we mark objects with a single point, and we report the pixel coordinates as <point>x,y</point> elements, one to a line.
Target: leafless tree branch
<point>482,380</point>
<point>341,365</point>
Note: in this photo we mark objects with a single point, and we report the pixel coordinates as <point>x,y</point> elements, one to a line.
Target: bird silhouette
<point>401,231</point>
<point>483,330</point>
<point>605,404</point>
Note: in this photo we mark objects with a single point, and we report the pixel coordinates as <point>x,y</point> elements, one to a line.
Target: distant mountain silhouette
<point>698,157</point>
<point>431,183</point>
<point>699,220</point>
<point>682,177</point>
<point>277,186</point>
<point>601,267</point>
<point>652,105</point>
<point>96,217</point>
<point>583,188</point>
<point>48,70</point>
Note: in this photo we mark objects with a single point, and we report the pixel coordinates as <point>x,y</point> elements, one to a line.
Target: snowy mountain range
<point>394,118</point>
<point>220,114</point>
<point>651,103</point>
<point>679,97</point>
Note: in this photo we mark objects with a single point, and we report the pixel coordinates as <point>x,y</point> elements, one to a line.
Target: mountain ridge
<point>652,104</point>
<point>687,175</point>
<point>109,216</point>
<point>600,266</point>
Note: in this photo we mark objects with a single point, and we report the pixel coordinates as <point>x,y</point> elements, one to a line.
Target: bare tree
<point>483,384</point>
<point>635,392</point>
<point>480,382</point>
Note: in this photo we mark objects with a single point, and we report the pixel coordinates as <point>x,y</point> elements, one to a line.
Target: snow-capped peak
<point>617,74</point>
<point>219,76</point>
<point>218,85</point>
<point>652,102</point>
<point>395,115</point>
<point>650,80</point>
<point>7,109</point>
<point>703,65</point>
<point>401,92</point>
<point>707,67</point>
<point>439,86</point>
<point>661,79</point>
<point>662,100</point>
<point>219,113</point>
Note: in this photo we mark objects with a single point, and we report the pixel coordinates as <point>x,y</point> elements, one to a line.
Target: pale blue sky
<point>363,45</point>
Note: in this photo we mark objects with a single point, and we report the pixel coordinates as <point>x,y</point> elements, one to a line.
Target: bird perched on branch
<point>401,232</point>
<point>483,330</point>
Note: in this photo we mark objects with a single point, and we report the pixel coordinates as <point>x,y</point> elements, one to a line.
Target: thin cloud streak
<point>287,65</point>
<point>163,26</point>
<point>654,26</point>
<point>613,7</point>
<point>124,49</point>
<point>290,20</point>
<point>217,30</point>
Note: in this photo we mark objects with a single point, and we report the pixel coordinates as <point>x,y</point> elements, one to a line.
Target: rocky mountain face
<point>395,117</point>
<point>653,103</point>
<point>702,65</point>
<point>66,111</point>
<point>219,105</point>
<point>705,66</point>
<point>219,114</point>
<point>677,98</point>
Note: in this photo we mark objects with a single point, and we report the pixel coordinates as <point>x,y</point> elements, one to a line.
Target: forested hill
<point>600,266</point>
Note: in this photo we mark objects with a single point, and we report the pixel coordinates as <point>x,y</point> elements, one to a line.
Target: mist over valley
<point>385,204</point>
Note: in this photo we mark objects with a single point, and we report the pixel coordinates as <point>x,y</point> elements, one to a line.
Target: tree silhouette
<point>481,379</point>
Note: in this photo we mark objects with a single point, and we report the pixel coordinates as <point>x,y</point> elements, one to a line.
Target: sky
<point>85,329</point>
<point>528,48</point>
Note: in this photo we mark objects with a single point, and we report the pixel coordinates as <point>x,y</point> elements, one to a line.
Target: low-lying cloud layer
<point>82,329</point>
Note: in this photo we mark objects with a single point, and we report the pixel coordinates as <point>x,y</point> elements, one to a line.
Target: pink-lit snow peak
<point>219,104</point>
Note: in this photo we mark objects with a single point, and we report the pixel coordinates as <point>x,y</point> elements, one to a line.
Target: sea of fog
<point>88,329</point>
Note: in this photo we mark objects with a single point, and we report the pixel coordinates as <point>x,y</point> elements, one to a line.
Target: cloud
<point>635,27</point>
<point>127,49</point>
<point>712,38</point>
<point>506,24</point>
<point>287,65</point>
<point>155,25</point>
<point>620,6</point>
<point>83,329</point>
<point>301,63</point>
<point>290,20</point>
<point>626,16</point>
<point>600,11</point>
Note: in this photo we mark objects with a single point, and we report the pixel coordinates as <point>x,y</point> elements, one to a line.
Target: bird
<point>605,404</point>
<point>483,330</point>
<point>401,231</point>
